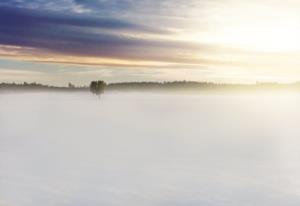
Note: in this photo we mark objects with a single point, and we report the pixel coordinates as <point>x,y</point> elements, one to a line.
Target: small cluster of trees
<point>97,87</point>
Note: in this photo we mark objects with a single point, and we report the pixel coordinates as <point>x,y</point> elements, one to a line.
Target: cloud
<point>108,5</point>
<point>90,36</point>
<point>34,19</point>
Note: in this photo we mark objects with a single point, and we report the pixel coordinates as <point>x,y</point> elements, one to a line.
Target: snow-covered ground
<point>143,149</point>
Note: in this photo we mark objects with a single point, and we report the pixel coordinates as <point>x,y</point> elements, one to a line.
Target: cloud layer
<point>88,35</point>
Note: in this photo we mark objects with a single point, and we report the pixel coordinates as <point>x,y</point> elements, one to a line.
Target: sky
<point>236,41</point>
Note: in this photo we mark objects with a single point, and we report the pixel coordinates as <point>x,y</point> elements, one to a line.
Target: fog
<point>146,149</point>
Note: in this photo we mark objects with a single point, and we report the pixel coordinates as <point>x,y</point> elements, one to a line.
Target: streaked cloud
<point>86,35</point>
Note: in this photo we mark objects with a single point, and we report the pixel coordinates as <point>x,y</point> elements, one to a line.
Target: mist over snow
<point>146,149</point>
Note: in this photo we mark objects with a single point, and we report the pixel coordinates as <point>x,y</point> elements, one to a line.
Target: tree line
<point>98,87</point>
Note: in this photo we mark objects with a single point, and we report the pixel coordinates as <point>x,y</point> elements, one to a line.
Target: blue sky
<point>56,42</point>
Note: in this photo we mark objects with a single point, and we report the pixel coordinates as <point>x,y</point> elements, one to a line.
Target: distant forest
<point>152,86</point>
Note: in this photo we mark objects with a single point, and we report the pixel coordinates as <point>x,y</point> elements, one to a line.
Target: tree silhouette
<point>97,87</point>
<point>70,85</point>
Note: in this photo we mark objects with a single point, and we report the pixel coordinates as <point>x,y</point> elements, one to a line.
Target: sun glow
<point>249,25</point>
<point>267,38</point>
<point>256,37</point>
